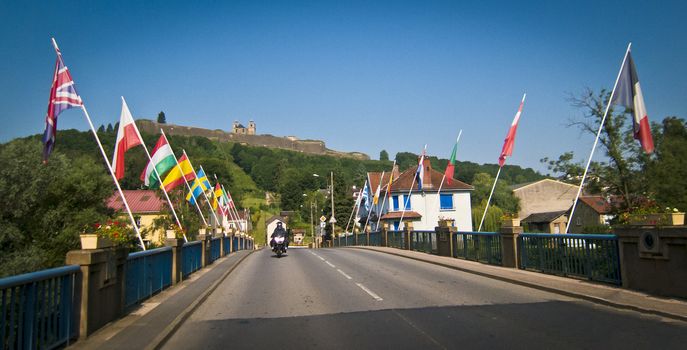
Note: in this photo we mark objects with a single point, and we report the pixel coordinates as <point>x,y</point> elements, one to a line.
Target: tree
<point>161,118</point>
<point>101,129</point>
<point>109,128</point>
<point>619,174</point>
<point>43,208</point>
<point>384,155</point>
<point>503,196</point>
<point>666,173</point>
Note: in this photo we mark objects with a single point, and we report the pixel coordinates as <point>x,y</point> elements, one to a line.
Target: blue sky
<point>362,76</point>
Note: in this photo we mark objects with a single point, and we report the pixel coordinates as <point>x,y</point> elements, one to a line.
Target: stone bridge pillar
<point>509,244</point>
<point>445,239</point>
<point>407,228</point>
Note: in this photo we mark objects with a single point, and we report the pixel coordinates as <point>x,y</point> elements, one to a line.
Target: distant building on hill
<point>238,128</point>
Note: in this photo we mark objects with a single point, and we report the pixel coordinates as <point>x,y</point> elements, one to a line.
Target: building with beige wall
<point>544,196</point>
<point>146,206</point>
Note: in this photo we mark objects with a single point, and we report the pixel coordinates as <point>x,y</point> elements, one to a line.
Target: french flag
<point>629,94</point>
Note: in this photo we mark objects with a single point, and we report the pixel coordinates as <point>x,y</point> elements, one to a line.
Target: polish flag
<point>508,144</point>
<point>629,94</point>
<point>127,137</point>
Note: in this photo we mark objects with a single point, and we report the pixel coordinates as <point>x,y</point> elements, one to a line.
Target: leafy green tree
<point>383,155</point>
<point>45,207</point>
<point>503,196</point>
<point>101,129</point>
<point>161,118</point>
<point>666,173</point>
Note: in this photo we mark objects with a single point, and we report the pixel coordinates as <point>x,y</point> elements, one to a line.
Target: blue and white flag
<point>366,196</point>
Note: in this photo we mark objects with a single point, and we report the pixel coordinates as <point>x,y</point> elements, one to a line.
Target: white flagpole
<point>444,177</point>
<point>489,200</point>
<point>200,211</point>
<point>229,206</point>
<point>367,220</point>
<point>596,140</point>
<point>411,190</point>
<point>386,194</point>
<point>206,197</point>
<point>355,204</point>
<point>357,211</point>
<point>235,212</point>
<point>150,159</point>
<point>107,160</point>
<point>182,174</point>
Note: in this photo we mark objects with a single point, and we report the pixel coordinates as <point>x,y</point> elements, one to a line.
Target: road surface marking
<point>330,264</point>
<point>371,293</point>
<point>321,258</point>
<point>345,275</point>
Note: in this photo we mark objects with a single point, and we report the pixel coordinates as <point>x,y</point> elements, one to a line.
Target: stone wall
<point>305,146</point>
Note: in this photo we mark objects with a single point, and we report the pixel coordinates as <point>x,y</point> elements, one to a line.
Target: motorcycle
<point>279,246</point>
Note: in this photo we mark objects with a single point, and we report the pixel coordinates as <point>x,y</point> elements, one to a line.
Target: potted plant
<point>174,232</point>
<point>446,222</point>
<point>654,216</point>
<point>104,235</point>
<point>510,220</point>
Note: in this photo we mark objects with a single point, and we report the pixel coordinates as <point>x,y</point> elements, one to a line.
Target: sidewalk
<point>149,325</point>
<point>590,291</point>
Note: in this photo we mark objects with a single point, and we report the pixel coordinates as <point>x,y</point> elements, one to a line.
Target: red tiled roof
<point>397,215</point>
<point>431,181</point>
<point>140,201</point>
<point>598,203</point>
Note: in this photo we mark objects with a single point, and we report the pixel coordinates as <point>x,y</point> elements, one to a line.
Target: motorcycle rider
<point>279,231</point>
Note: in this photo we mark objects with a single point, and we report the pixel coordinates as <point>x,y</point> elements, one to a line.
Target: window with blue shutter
<point>407,202</point>
<point>446,201</point>
<point>395,199</point>
<point>396,224</point>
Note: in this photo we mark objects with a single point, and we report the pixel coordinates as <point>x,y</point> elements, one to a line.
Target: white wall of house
<point>427,204</point>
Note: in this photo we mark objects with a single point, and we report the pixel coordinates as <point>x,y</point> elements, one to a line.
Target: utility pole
<point>312,226</point>
<point>332,220</point>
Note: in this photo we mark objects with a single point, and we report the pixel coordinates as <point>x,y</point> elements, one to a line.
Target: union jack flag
<point>62,96</point>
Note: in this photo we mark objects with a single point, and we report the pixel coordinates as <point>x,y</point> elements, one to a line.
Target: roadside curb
<point>172,327</point>
<point>572,294</point>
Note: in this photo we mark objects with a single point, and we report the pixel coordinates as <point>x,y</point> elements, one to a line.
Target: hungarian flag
<point>127,138</point>
<point>179,174</point>
<point>162,159</point>
<point>450,167</point>
<point>508,144</point>
<point>629,94</point>
<point>62,96</point>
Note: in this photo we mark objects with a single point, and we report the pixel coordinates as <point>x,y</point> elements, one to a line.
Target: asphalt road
<point>356,299</point>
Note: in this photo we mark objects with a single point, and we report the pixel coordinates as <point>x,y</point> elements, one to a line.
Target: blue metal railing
<point>191,255</point>
<point>235,244</point>
<point>594,257</point>
<point>375,238</point>
<point>484,247</point>
<point>361,239</point>
<point>37,310</point>
<point>227,245</point>
<point>215,248</point>
<point>423,241</point>
<point>396,239</point>
<point>147,273</point>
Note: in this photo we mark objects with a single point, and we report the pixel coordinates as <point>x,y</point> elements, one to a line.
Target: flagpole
<point>489,200</point>
<point>355,204</point>
<point>182,173</point>
<point>238,219</point>
<point>596,140</point>
<point>206,196</point>
<point>107,161</point>
<point>386,193</point>
<point>236,212</point>
<point>150,159</point>
<point>410,190</point>
<point>444,177</point>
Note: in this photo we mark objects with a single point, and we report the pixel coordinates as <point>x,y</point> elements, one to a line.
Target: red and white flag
<point>508,144</point>
<point>127,137</point>
<point>628,93</point>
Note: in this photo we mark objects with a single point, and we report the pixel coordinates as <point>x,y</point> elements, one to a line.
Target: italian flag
<point>127,137</point>
<point>450,167</point>
<point>162,159</point>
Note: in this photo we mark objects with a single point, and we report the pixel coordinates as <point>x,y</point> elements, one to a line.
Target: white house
<point>271,224</point>
<point>425,207</point>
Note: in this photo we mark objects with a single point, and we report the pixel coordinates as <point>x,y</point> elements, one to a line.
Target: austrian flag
<point>629,94</point>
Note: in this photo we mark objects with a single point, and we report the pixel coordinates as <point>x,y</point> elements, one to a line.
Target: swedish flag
<point>200,185</point>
